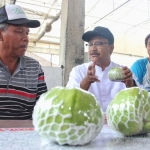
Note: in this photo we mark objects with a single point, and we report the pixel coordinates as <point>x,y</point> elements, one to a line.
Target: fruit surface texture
<point>129,112</point>
<point>68,116</point>
<point>115,74</point>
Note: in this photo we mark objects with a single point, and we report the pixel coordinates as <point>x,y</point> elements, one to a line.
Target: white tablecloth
<point>106,140</point>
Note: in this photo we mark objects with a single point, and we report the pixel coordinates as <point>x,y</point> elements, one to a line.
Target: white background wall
<point>125,60</point>
<point>53,76</point>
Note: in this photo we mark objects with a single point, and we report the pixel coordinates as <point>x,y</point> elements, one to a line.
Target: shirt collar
<point>22,63</point>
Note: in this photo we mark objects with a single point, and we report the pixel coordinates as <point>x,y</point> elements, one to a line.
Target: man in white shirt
<point>93,76</point>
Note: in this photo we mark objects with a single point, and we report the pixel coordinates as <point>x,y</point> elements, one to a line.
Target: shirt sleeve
<point>74,78</point>
<point>42,87</point>
<point>138,68</point>
<point>136,81</point>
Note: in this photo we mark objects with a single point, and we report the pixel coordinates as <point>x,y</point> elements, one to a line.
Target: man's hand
<point>128,80</point>
<point>90,77</point>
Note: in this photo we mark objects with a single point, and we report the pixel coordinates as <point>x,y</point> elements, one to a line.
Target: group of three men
<point>22,79</point>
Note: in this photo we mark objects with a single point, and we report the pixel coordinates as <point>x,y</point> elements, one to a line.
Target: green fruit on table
<point>129,112</point>
<point>115,74</point>
<point>68,116</point>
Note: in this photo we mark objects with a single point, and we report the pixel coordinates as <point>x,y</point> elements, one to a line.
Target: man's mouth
<point>24,46</point>
<point>94,53</point>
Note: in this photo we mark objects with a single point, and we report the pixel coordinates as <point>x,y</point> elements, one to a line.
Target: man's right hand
<point>90,77</point>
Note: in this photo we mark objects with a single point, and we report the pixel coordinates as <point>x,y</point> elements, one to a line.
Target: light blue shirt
<point>141,69</point>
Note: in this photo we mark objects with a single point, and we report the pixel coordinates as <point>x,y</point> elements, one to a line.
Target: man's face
<point>15,40</point>
<point>100,49</point>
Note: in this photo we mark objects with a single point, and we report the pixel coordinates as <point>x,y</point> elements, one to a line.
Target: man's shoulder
<point>30,60</point>
<point>81,68</point>
<point>113,64</point>
<point>142,61</point>
<point>84,65</point>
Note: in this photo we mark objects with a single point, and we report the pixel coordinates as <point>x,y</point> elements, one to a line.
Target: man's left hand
<point>128,80</point>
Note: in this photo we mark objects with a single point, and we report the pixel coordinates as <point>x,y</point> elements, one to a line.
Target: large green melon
<point>129,112</point>
<point>115,74</point>
<point>68,116</point>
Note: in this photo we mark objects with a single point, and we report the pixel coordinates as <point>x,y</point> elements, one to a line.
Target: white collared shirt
<point>105,90</point>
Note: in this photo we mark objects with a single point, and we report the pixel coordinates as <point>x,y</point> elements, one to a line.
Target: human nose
<point>25,37</point>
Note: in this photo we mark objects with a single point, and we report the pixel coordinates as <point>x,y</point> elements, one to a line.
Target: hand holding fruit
<point>128,80</point>
<point>121,74</point>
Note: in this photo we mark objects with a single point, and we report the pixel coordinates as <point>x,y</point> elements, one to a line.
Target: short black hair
<point>146,39</point>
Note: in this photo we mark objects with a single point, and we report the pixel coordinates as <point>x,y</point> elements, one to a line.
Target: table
<point>16,124</point>
<point>20,135</point>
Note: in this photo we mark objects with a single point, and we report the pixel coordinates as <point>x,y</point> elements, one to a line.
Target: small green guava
<point>68,116</point>
<point>115,74</point>
<point>129,112</point>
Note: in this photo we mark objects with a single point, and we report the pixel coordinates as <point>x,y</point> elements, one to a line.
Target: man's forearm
<point>85,85</point>
<point>132,84</point>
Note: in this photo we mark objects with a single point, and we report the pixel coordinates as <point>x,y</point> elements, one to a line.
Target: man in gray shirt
<point>21,78</point>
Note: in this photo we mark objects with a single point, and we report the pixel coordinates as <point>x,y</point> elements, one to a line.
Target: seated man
<point>93,76</point>
<point>21,77</point>
<point>141,68</point>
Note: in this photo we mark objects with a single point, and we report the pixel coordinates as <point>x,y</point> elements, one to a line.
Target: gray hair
<point>3,26</point>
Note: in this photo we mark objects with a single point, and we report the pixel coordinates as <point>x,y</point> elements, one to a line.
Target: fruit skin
<point>115,74</point>
<point>68,116</point>
<point>129,112</point>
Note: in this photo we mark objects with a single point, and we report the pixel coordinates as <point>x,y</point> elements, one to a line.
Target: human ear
<point>1,35</point>
<point>111,48</point>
